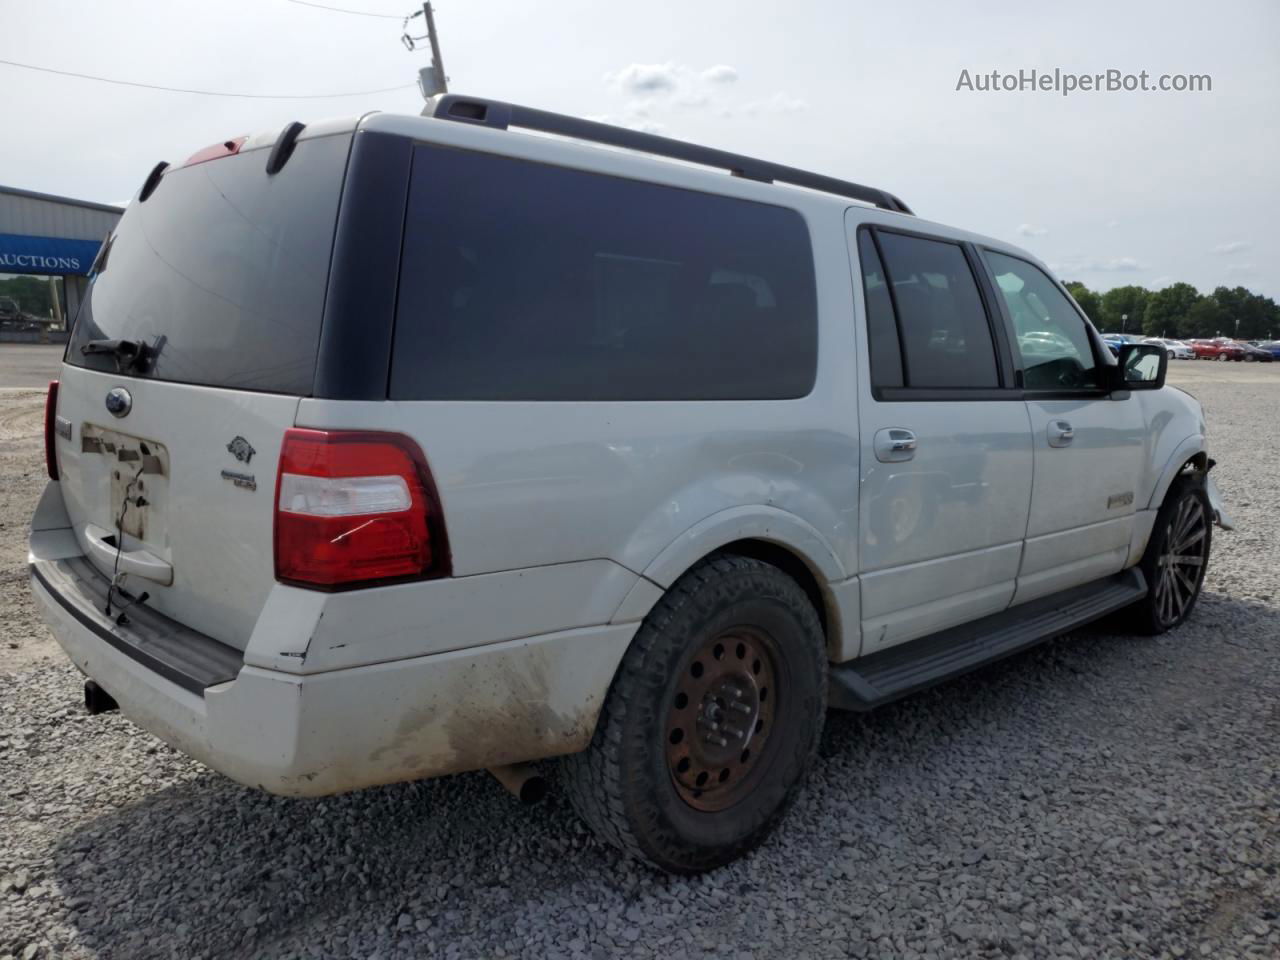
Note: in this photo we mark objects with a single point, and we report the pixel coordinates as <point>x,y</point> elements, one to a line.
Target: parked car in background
<point>1230,349</point>
<point>1176,349</point>
<point>1271,346</point>
<point>1115,341</point>
<point>1210,350</point>
<point>1254,354</point>
<point>11,315</point>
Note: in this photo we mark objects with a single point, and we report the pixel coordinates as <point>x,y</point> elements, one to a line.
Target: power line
<point>354,13</point>
<point>206,93</point>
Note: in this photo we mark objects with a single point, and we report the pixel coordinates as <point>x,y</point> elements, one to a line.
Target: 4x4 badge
<point>241,450</point>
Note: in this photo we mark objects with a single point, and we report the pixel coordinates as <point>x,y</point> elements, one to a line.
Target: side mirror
<point>1141,366</point>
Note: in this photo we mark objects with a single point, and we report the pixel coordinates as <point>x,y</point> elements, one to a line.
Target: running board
<point>890,674</point>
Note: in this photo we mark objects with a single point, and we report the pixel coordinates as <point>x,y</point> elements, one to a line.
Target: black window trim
<point>1010,330</point>
<point>1009,380</point>
<point>893,305</point>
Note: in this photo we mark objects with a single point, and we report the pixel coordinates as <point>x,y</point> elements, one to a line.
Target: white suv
<point>400,446</point>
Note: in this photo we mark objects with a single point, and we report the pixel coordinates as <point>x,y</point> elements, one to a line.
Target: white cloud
<point>1099,265</point>
<point>646,78</point>
<point>1232,246</point>
<point>778,103</point>
<point>1028,230</point>
<point>720,73</point>
<point>1159,283</point>
<point>1240,269</point>
<point>656,87</point>
<point>1113,265</point>
<point>692,98</point>
<point>660,84</point>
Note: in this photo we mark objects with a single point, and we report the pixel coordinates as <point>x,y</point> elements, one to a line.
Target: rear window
<point>523,281</point>
<point>222,272</point>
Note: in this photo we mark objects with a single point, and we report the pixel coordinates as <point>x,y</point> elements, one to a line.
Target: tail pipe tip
<point>523,780</point>
<point>97,700</point>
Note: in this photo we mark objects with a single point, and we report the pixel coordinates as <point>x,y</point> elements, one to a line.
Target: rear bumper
<point>341,730</point>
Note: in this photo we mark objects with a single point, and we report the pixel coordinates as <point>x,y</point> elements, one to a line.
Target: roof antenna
<point>432,80</point>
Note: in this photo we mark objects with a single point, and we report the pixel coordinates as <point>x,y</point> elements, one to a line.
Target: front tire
<point>711,722</point>
<point>1176,557</point>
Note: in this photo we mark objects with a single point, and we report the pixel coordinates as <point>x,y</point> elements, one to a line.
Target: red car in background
<point>1219,349</point>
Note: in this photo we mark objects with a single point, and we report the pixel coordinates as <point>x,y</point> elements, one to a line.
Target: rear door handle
<point>894,445</point>
<point>1060,433</point>
<point>100,545</point>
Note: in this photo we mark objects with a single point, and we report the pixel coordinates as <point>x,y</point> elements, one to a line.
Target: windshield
<point>221,273</point>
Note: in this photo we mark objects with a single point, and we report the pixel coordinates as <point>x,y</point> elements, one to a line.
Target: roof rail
<point>493,113</point>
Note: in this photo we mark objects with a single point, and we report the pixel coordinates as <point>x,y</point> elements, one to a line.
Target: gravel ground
<point>1101,796</point>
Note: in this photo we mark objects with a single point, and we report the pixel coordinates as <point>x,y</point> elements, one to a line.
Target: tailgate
<point>198,465</point>
<point>198,334</point>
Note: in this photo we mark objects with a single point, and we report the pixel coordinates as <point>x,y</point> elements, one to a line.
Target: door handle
<point>1060,433</point>
<point>894,445</point>
<point>141,563</point>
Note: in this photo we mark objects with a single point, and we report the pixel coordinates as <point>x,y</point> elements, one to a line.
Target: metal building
<point>47,245</point>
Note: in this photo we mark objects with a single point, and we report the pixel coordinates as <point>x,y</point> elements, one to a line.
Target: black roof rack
<point>492,113</point>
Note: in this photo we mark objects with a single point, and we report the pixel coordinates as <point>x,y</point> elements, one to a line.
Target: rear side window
<point>222,272</point>
<point>946,340</point>
<point>524,281</point>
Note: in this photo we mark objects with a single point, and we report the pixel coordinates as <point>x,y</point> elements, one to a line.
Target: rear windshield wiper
<point>129,354</point>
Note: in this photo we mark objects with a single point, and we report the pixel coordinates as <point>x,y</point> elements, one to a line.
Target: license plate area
<point>129,467</point>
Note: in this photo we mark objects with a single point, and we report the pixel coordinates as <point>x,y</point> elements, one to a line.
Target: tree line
<point>1180,311</point>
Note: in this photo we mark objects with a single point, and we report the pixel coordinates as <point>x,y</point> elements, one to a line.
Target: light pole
<point>1124,318</point>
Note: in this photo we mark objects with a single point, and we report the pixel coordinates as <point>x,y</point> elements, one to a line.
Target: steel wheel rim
<point>720,718</point>
<point>1180,566</point>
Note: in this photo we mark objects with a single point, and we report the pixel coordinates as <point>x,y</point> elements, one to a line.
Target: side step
<point>890,674</point>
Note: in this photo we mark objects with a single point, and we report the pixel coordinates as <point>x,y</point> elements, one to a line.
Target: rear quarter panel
<point>526,484</point>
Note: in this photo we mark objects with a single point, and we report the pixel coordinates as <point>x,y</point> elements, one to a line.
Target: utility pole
<point>437,63</point>
<point>431,80</point>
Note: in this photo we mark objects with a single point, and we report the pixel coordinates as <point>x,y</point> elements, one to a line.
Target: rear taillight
<point>356,508</point>
<point>50,416</point>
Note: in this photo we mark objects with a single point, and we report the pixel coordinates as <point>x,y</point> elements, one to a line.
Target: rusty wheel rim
<point>720,718</point>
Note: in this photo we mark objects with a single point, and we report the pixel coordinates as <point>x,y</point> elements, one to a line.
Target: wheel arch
<point>772,536</point>
<point>1191,452</point>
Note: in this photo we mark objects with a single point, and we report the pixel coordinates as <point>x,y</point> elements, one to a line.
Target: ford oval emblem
<point>119,403</point>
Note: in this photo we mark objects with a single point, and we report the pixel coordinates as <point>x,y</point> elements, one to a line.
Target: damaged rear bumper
<point>340,730</point>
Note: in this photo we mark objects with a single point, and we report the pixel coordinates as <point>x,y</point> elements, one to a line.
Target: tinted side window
<point>524,281</point>
<point>1052,338</point>
<point>882,328</point>
<point>946,337</point>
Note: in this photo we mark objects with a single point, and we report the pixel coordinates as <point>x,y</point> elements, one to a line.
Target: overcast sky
<point>1109,188</point>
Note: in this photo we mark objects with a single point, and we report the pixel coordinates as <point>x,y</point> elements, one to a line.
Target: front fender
<point>1185,450</point>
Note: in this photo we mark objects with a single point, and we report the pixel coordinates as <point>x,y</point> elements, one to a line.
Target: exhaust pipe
<point>523,780</point>
<point>97,700</point>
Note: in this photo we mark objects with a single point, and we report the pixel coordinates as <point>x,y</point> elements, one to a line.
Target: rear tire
<point>711,722</point>
<point>1176,558</point>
